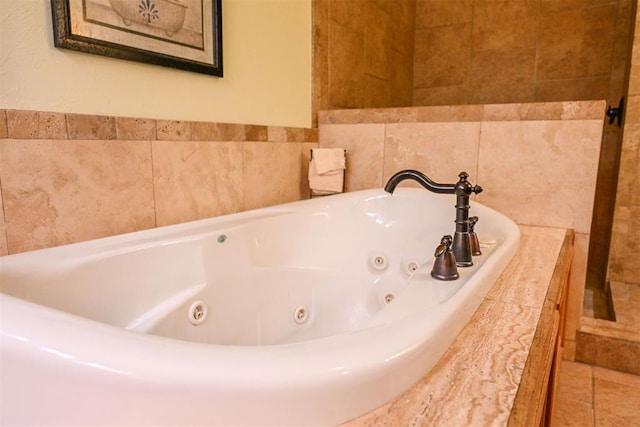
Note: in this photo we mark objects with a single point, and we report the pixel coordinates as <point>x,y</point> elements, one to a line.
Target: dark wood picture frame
<point>130,25</point>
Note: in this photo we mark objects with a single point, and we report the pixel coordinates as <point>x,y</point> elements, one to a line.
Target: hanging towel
<point>326,170</point>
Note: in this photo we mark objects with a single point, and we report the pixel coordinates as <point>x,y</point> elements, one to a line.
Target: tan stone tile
<point>343,12</point>
<point>4,133</point>
<point>171,130</point>
<point>500,28</point>
<point>377,48</point>
<point>196,179</point>
<point>346,67</point>
<point>136,129</point>
<point>575,382</point>
<point>3,231</point>
<point>530,159</point>
<point>447,69</point>
<point>273,173</point>
<point>428,148</point>
<point>442,95</point>
<point>436,13</point>
<point>577,280</point>
<point>569,352</point>
<point>35,125</point>
<point>502,76</point>
<point>256,133</point>
<point>616,399</point>
<point>58,192</point>
<point>566,110</point>
<point>85,126</point>
<point>571,413</point>
<point>365,152</point>
<point>450,113</point>
<point>573,88</point>
<point>206,131</point>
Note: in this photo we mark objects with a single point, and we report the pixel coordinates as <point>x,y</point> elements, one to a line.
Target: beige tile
<point>577,279</point>
<point>86,126</point>
<point>502,76</point>
<point>58,192</point>
<point>273,173</point>
<point>436,13</point>
<point>440,150</point>
<point>3,231</point>
<point>365,151</point>
<point>616,398</point>
<point>4,132</point>
<point>171,130</point>
<point>196,179</point>
<point>450,113</point>
<point>566,110</point>
<point>256,133</point>
<point>525,164</point>
<point>136,129</point>
<point>575,382</point>
<point>205,131</point>
<point>35,124</point>
<point>497,28</point>
<point>571,413</point>
<point>346,67</point>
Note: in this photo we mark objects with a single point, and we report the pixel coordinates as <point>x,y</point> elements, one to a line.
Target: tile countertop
<point>491,374</point>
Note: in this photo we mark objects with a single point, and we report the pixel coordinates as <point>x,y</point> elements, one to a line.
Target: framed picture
<point>184,34</point>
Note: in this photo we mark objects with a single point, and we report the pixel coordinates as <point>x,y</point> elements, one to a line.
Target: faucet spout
<point>422,179</point>
<point>462,189</point>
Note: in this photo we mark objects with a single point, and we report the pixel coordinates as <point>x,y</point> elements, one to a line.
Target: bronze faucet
<point>462,189</point>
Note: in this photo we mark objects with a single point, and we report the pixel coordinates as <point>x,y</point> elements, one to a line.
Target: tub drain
<point>198,312</point>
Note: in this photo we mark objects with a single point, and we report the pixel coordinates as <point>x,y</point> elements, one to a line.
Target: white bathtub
<point>298,331</point>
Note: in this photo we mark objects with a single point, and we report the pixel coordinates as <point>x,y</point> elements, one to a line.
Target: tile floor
<point>589,396</point>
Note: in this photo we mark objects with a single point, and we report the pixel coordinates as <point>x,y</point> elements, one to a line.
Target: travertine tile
<point>440,150</point>
<point>502,76</point>
<point>575,382</point>
<point>136,129</point>
<point>4,133</point>
<point>538,249</point>
<point>206,131</point>
<point>436,13</point>
<point>577,279</point>
<point>85,126</point>
<point>616,398</point>
<point>572,413</point>
<point>171,130</point>
<point>58,192</point>
<point>500,28</point>
<point>196,179</point>
<point>273,173</point>
<point>3,231</point>
<point>35,125</point>
<point>346,67</point>
<point>566,110</point>
<point>365,152</point>
<point>256,133</point>
<point>535,172</point>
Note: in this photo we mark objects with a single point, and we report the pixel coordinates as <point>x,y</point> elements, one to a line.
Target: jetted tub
<point>307,313</point>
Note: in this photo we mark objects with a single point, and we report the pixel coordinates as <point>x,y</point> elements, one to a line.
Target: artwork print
<point>183,34</point>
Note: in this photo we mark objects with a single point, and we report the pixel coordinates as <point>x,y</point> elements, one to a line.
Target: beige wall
<point>624,260</point>
<point>66,178</point>
<point>479,52</point>
<point>267,70</point>
<point>525,156</point>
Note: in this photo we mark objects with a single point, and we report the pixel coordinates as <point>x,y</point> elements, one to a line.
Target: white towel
<point>326,170</point>
<point>328,161</point>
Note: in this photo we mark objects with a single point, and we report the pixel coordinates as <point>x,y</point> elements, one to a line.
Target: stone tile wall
<point>624,256</point>
<point>536,162</point>
<point>363,53</point>
<point>68,177</point>
<point>481,52</point>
